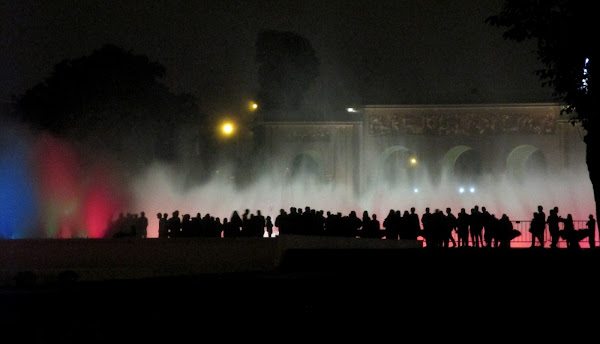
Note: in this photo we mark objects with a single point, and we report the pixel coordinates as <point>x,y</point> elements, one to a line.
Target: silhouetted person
<point>229,228</point>
<point>258,225</point>
<point>246,229</point>
<point>506,232</point>
<point>126,225</point>
<point>406,231</point>
<point>540,228</point>
<point>413,224</point>
<point>186,226</point>
<point>118,226</point>
<point>314,221</point>
<point>493,231</point>
<point>371,227</point>
<point>591,227</point>
<point>462,228</point>
<point>536,228</point>
<point>389,224</point>
<point>236,223</point>
<point>428,231</point>
<point>163,226</point>
<point>216,228</point>
<point>571,236</point>
<point>142,226</point>
<point>280,222</point>
<point>438,228</point>
<point>269,225</point>
<point>293,221</point>
<point>553,228</point>
<point>541,213</point>
<point>353,223</point>
<point>450,225</point>
<point>197,228</point>
<point>375,227</point>
<point>488,227</point>
<point>365,230</point>
<point>319,220</point>
<point>174,225</point>
<point>476,227</point>
<point>400,226</point>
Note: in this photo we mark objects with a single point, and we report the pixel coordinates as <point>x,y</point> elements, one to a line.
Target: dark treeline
<point>474,228</point>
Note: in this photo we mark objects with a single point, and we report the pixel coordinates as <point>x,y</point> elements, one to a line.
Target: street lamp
<point>227,128</point>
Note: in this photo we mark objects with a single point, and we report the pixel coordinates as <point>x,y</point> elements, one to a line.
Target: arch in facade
<point>308,163</point>
<point>462,162</point>
<point>525,159</point>
<point>395,165</point>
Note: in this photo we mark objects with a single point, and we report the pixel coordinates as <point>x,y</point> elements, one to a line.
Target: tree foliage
<point>287,67</point>
<point>112,99</point>
<point>564,31</point>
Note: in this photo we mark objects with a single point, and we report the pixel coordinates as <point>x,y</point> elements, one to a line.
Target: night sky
<point>371,52</point>
<point>413,52</point>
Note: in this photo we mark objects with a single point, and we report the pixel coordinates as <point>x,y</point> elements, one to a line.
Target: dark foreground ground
<point>483,295</point>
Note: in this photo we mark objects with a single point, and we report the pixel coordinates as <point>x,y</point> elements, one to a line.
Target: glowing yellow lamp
<point>227,128</point>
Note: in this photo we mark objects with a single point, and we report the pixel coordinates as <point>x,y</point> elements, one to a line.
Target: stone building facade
<point>404,144</point>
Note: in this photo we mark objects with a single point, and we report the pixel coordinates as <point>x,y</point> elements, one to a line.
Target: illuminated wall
<point>516,154</point>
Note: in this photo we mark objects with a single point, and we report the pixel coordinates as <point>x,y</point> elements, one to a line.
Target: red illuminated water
<point>74,195</point>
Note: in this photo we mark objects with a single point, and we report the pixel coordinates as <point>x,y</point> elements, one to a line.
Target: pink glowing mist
<point>78,193</point>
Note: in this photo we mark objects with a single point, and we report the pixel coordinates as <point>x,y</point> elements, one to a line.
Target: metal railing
<point>525,237</point>
<point>524,240</point>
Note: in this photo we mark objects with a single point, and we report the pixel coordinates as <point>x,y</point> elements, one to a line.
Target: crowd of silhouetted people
<point>474,228</point>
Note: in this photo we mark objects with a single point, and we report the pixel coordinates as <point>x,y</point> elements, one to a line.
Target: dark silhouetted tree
<point>287,67</point>
<point>564,31</point>
<point>113,100</point>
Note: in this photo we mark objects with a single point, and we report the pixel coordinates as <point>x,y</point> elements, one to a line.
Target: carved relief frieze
<point>309,133</point>
<point>461,124</point>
